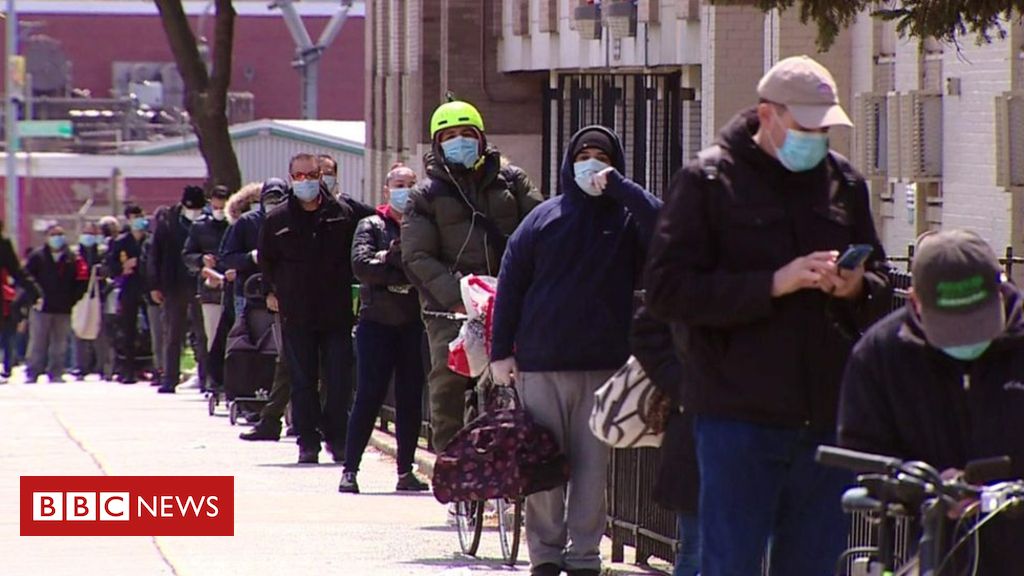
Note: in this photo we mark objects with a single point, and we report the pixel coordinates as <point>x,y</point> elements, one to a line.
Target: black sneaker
<point>584,572</point>
<point>261,434</point>
<point>165,389</point>
<point>348,483</point>
<point>408,482</point>
<point>291,432</point>
<point>309,456</point>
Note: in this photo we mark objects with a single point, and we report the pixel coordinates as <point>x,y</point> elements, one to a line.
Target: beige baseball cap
<point>807,90</point>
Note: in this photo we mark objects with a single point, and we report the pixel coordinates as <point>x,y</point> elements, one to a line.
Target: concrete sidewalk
<point>288,518</point>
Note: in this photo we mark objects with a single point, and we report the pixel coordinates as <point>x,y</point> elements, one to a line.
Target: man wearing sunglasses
<point>304,253</point>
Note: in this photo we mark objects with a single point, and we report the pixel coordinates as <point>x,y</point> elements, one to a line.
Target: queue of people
<point>764,341</point>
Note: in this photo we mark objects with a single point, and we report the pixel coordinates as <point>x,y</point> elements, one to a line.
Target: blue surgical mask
<point>306,190</point>
<point>802,151</point>
<point>462,150</point>
<point>87,240</point>
<point>584,171</point>
<point>969,352</point>
<point>55,242</point>
<point>330,181</point>
<point>399,198</point>
<point>139,224</point>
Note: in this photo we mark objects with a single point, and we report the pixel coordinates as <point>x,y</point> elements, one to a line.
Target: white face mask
<point>192,213</point>
<point>218,215</point>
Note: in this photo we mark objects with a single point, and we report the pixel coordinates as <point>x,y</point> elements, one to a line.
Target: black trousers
<point>182,312</point>
<point>313,355</point>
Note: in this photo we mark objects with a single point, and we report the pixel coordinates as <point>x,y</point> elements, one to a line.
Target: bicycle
<point>469,516</point>
<point>891,489</point>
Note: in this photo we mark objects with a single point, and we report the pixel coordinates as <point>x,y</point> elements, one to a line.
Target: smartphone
<point>854,256</point>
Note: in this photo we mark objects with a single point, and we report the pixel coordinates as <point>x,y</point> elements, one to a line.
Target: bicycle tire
<point>510,528</point>
<point>469,523</point>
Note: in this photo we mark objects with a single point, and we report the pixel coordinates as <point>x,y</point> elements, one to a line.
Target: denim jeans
<point>762,491</point>
<point>382,352</point>
<point>688,557</point>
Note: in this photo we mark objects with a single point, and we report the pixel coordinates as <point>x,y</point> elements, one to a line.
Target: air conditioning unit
<point>893,136</point>
<point>588,21</point>
<point>620,17</point>
<point>871,134</point>
<point>1010,140</point>
<point>922,146</point>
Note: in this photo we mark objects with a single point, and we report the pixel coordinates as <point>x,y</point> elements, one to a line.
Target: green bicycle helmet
<point>455,113</point>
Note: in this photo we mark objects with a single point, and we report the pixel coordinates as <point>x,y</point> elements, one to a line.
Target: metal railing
<point>635,520</point>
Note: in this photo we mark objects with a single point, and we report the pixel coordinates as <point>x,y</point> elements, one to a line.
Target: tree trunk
<point>206,96</point>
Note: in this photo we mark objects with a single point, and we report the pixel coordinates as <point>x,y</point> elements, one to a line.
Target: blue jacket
<point>236,247</point>
<point>565,291</point>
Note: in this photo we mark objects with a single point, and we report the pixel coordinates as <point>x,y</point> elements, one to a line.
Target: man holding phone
<point>745,264</point>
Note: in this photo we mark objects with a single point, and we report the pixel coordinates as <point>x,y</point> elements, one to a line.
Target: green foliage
<point>947,20</point>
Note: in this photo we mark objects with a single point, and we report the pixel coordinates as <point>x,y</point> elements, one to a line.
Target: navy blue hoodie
<point>565,291</point>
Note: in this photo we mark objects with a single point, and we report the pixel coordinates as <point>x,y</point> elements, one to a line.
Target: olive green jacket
<point>442,241</point>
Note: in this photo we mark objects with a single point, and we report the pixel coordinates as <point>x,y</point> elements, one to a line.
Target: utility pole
<point>307,54</point>
<point>11,125</point>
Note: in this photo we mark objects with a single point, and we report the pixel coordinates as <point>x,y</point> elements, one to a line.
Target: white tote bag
<point>622,406</point>
<point>87,313</point>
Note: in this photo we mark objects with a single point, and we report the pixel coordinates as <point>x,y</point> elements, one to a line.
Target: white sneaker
<point>192,382</point>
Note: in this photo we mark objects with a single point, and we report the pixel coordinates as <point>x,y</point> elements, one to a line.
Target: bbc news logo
<point>127,506</point>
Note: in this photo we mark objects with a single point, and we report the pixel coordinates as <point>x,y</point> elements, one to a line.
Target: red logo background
<point>146,487</point>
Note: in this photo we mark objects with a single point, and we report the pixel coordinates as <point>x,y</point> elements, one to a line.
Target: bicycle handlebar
<point>856,461</point>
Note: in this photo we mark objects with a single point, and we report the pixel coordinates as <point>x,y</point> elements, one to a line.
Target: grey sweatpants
<point>48,339</point>
<point>564,526</point>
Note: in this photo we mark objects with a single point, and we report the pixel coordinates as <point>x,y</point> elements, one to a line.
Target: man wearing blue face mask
<point>743,264</point>
<point>941,379</point>
<point>561,328</point>
<point>457,223</point>
<point>304,252</point>
<point>62,278</point>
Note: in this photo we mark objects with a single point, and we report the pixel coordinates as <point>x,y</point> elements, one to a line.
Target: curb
<point>386,443</point>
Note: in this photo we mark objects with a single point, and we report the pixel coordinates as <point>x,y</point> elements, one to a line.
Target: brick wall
<point>732,63</point>
<point>971,198</point>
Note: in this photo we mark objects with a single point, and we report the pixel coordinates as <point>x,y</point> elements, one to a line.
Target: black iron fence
<point>634,519</point>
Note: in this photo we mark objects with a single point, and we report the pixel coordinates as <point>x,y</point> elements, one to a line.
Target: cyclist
<point>456,223</point>
<point>942,380</point>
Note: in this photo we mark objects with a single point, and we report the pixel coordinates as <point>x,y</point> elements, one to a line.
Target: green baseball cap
<point>956,279</point>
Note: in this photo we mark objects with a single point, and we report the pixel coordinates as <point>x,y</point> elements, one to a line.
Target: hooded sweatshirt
<point>565,292</point>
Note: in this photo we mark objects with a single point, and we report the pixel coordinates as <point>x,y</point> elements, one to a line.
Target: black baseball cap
<point>956,279</point>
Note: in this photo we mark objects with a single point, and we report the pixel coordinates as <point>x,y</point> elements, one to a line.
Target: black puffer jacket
<point>771,361</point>
<point>306,262</point>
<point>385,294</point>
<point>204,238</point>
<point>904,398</point>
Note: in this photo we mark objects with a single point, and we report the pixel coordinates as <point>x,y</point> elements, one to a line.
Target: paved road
<point>288,518</point>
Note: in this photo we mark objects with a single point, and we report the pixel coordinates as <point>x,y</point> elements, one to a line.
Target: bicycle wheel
<point>469,522</point>
<point>510,524</point>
